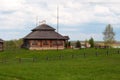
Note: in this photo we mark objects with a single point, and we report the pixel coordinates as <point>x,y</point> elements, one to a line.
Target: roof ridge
<point>43,27</point>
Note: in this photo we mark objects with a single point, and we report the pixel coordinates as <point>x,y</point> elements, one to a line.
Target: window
<point>34,42</point>
<point>59,43</point>
<point>45,42</point>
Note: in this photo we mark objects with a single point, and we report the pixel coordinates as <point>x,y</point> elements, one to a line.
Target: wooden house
<point>44,37</point>
<point>1,45</point>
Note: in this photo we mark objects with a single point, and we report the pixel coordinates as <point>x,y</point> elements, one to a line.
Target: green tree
<point>78,44</point>
<point>13,44</point>
<point>67,44</point>
<point>109,34</point>
<point>91,42</point>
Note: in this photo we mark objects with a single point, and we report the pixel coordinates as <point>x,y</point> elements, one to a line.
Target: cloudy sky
<point>79,19</point>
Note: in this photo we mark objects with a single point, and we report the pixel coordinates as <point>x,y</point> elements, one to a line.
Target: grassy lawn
<point>84,64</point>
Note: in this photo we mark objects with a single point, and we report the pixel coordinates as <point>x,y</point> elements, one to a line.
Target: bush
<point>91,42</point>
<point>78,44</point>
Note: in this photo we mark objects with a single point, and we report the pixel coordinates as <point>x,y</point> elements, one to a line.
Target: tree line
<point>108,38</point>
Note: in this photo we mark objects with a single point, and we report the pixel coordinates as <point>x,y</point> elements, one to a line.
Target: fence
<point>57,57</point>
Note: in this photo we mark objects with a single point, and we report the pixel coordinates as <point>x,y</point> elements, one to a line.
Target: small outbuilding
<point>1,45</point>
<point>44,37</point>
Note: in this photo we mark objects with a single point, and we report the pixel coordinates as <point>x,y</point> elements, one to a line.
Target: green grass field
<point>82,64</point>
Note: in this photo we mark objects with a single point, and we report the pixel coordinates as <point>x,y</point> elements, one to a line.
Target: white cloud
<point>6,5</point>
<point>102,10</point>
<point>72,12</point>
<point>15,14</point>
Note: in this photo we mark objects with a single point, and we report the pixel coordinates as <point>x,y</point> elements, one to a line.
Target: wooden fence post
<point>34,59</point>
<point>84,55</point>
<point>60,56</point>
<point>72,56</point>
<point>107,53</point>
<point>19,60</point>
<point>47,58</point>
<point>118,52</point>
<point>96,53</point>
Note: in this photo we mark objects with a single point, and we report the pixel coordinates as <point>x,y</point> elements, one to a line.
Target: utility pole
<point>57,25</point>
<point>36,20</point>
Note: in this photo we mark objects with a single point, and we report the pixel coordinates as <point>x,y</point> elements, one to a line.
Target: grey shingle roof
<point>43,27</point>
<point>44,31</point>
<point>1,40</point>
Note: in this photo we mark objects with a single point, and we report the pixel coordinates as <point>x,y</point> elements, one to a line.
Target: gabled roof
<point>43,27</point>
<point>44,31</point>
